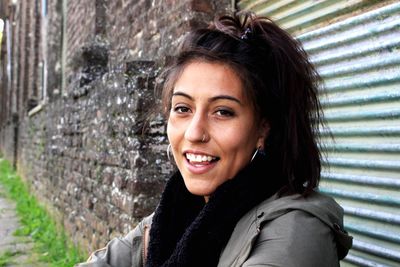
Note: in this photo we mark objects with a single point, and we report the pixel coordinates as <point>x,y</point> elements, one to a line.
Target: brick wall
<point>21,57</point>
<point>152,34</point>
<point>32,9</point>
<point>85,153</point>
<point>88,157</point>
<point>53,45</point>
<point>8,141</point>
<point>81,19</point>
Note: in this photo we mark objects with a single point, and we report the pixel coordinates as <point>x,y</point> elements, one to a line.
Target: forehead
<point>209,78</point>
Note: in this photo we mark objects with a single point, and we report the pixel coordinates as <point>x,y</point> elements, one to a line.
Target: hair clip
<point>246,34</point>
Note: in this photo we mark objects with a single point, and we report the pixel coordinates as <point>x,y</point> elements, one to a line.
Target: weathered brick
<point>205,6</point>
<point>87,152</point>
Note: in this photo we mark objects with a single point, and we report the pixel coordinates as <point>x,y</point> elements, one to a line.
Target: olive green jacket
<point>290,231</point>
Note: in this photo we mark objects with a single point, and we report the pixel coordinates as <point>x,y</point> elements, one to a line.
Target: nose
<point>197,128</point>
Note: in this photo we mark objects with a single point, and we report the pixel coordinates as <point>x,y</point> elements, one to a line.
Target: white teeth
<point>198,158</point>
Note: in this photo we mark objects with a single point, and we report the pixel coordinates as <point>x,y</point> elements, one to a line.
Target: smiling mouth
<point>197,159</point>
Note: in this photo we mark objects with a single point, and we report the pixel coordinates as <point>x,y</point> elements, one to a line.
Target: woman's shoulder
<point>291,224</point>
<point>120,252</point>
<point>319,205</point>
<point>317,209</point>
<point>294,239</point>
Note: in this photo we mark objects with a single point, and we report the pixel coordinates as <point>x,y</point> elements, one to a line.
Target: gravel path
<point>20,247</point>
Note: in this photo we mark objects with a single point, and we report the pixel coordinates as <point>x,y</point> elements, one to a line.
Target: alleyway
<point>14,250</point>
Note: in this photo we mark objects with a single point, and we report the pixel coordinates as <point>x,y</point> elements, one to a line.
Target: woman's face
<point>212,126</point>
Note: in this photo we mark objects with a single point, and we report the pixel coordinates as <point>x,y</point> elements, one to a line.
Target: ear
<point>264,132</point>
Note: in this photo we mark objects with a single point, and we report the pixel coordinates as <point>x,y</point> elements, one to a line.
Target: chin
<point>200,190</point>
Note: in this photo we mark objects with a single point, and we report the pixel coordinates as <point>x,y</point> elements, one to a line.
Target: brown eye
<point>181,109</point>
<point>225,113</point>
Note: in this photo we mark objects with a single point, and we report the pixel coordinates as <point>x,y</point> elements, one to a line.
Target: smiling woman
<point>212,126</point>
<point>242,108</point>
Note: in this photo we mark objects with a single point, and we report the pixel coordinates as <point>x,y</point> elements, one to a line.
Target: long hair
<point>279,80</point>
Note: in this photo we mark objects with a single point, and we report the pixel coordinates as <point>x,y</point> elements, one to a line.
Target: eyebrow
<point>212,99</point>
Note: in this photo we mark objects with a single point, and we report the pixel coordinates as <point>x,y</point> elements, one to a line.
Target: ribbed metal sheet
<point>299,16</point>
<point>358,59</point>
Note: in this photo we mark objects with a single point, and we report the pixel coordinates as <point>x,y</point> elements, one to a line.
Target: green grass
<point>6,258</point>
<point>51,243</point>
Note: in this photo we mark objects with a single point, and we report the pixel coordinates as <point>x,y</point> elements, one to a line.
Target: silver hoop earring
<point>254,155</point>
<point>260,151</point>
<point>169,152</point>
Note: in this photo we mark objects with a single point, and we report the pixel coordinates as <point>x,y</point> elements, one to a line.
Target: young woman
<point>243,116</point>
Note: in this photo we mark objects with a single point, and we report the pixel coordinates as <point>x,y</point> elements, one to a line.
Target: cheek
<point>239,136</point>
<point>174,132</point>
<point>172,139</point>
<point>170,131</point>
<point>238,148</point>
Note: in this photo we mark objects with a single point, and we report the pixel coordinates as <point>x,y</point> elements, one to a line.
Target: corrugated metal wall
<point>301,15</point>
<point>359,60</point>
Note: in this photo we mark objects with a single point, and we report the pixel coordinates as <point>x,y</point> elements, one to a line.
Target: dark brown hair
<point>279,80</point>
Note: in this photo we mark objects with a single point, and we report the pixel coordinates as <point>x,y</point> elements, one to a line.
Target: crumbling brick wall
<point>88,157</point>
<point>86,154</point>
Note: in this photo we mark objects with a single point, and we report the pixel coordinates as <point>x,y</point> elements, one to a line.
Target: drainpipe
<point>9,40</point>
<point>15,123</point>
<point>64,11</point>
<point>14,114</point>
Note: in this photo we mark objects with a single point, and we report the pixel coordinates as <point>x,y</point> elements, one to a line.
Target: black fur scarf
<point>186,231</point>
